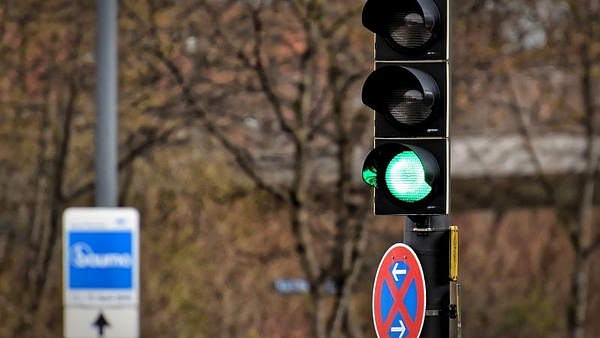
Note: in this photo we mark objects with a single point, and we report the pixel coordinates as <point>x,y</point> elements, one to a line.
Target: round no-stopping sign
<point>399,294</point>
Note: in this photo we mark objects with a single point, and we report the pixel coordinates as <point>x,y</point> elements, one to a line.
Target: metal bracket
<point>452,311</point>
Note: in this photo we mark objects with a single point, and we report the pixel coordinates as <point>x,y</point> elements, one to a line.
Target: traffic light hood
<point>406,173</point>
<point>406,96</point>
<point>408,26</point>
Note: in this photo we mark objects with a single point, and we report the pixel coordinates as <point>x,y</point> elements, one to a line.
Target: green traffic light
<point>405,177</point>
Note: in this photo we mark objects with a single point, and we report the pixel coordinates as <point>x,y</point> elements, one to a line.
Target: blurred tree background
<point>242,135</point>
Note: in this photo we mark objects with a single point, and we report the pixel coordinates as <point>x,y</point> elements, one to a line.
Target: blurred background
<point>241,141</point>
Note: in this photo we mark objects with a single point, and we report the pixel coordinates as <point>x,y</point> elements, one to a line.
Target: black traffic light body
<point>409,91</point>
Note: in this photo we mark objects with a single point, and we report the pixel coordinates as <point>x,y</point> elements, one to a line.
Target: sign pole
<point>429,237</point>
<point>106,103</point>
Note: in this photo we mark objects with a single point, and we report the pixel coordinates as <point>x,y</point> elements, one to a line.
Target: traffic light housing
<point>409,99</point>
<point>408,177</point>
<point>408,29</point>
<point>409,92</point>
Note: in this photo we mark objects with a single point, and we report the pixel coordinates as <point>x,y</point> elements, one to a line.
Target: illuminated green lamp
<point>369,175</point>
<point>404,173</point>
<point>405,178</point>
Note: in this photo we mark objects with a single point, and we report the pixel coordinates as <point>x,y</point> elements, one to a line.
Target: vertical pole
<point>106,104</point>
<point>429,237</point>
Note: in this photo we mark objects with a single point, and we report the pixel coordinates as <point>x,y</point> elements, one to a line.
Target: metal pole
<point>429,237</point>
<point>106,98</point>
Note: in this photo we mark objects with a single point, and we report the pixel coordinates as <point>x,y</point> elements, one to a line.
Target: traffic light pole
<point>429,237</point>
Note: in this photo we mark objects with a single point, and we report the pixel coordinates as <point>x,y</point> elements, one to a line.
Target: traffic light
<point>409,92</point>
<point>409,176</point>
<point>408,29</point>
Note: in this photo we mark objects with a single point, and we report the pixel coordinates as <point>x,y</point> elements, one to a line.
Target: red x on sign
<point>399,294</point>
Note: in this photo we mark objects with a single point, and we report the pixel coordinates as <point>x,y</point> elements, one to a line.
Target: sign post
<point>101,273</point>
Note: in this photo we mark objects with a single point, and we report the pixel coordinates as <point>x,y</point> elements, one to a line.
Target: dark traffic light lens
<point>410,30</point>
<point>406,96</point>
<point>408,27</point>
<point>408,106</point>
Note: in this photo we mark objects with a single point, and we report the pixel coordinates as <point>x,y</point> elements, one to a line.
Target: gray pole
<point>106,98</point>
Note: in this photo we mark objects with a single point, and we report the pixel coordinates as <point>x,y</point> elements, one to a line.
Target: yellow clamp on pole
<point>453,253</point>
<point>455,320</point>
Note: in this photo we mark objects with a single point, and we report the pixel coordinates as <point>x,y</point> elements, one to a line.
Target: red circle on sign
<point>399,294</point>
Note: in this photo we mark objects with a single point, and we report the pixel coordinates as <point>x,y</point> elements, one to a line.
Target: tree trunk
<point>581,235</point>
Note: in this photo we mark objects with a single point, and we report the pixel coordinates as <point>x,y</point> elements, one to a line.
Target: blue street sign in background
<point>101,257</point>
<point>100,260</point>
<point>101,272</point>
